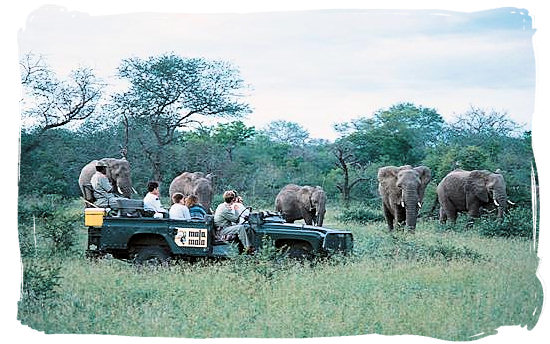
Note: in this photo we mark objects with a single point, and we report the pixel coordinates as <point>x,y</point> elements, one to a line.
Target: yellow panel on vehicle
<point>94,217</point>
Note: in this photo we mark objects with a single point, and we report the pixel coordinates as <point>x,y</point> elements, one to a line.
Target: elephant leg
<point>450,212</point>
<point>473,213</point>
<point>389,218</point>
<point>442,216</point>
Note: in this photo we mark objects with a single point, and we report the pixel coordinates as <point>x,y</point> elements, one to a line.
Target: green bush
<point>43,206</point>
<point>61,229</point>
<point>360,214</point>
<point>48,224</point>
<point>40,279</point>
<point>517,222</point>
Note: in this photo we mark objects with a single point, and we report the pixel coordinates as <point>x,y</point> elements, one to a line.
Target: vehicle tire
<point>299,251</point>
<point>151,255</point>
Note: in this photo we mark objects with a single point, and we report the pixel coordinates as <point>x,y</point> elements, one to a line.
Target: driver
<point>225,219</point>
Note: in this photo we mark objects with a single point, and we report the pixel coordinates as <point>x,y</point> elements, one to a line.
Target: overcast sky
<point>319,67</point>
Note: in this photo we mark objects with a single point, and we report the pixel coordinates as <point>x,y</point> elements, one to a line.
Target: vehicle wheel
<point>151,255</point>
<point>299,251</point>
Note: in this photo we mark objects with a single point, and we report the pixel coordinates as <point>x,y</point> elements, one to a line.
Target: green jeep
<point>126,234</point>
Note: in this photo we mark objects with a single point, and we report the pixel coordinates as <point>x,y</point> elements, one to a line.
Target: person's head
<point>153,187</point>
<point>191,201</point>
<point>101,166</point>
<point>177,197</point>
<point>229,197</point>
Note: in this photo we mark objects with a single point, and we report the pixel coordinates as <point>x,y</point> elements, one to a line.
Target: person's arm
<point>229,214</point>
<point>105,184</point>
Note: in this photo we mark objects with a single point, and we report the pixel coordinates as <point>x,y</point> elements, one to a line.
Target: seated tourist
<point>179,210</point>
<point>151,201</point>
<point>226,217</point>
<point>196,210</point>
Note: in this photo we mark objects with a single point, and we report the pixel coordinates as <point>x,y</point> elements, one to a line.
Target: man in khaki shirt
<point>225,219</point>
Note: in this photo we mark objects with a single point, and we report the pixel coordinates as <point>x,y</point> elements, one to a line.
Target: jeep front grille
<point>342,242</point>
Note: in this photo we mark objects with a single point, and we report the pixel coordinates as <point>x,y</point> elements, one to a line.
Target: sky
<point>319,67</point>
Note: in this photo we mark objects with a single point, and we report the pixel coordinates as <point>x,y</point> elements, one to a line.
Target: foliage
<point>50,103</point>
<point>61,229</point>
<point>286,132</point>
<point>517,222</point>
<point>41,280</point>
<point>362,213</point>
<point>54,226</point>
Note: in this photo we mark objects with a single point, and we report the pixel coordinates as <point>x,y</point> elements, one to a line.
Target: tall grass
<point>439,283</point>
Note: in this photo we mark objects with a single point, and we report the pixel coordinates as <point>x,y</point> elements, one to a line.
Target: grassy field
<point>453,285</point>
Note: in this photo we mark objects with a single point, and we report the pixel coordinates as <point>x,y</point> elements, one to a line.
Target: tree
<point>169,92</point>
<point>232,135</point>
<point>398,135</point>
<point>282,131</point>
<point>50,103</point>
<point>349,164</point>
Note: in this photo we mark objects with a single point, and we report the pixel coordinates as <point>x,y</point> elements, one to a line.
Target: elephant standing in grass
<point>402,190</point>
<point>296,202</point>
<point>468,191</point>
<point>194,183</point>
<point>118,173</point>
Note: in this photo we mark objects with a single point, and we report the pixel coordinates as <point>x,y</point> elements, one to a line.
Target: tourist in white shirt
<point>151,201</point>
<point>179,210</point>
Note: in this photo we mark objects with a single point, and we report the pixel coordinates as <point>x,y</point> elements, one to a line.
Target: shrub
<point>40,279</point>
<point>361,214</point>
<point>61,230</point>
<point>517,222</point>
<point>38,206</point>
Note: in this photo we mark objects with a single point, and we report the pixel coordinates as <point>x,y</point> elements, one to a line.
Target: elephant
<point>402,190</point>
<point>467,191</point>
<point>118,172</point>
<point>296,202</point>
<point>194,183</point>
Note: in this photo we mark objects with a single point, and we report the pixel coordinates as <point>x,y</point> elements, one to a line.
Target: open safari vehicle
<point>126,233</point>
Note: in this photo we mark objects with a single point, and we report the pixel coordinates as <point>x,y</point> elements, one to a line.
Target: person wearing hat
<point>103,190</point>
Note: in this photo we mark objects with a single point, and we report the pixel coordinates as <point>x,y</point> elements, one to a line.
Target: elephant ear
<point>476,186</point>
<point>425,176</point>
<point>304,197</point>
<point>388,175</point>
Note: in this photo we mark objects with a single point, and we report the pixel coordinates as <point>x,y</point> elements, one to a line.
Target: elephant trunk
<point>502,201</point>
<point>320,216</point>
<point>411,207</point>
<point>321,210</point>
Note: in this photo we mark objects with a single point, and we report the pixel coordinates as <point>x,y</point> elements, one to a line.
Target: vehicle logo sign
<point>191,237</point>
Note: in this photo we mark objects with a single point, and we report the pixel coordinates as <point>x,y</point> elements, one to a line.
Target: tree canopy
<point>167,120</point>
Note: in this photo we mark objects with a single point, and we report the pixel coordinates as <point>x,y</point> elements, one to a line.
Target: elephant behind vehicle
<point>118,173</point>
<point>194,183</point>
<point>468,191</point>
<point>402,190</point>
<point>296,202</point>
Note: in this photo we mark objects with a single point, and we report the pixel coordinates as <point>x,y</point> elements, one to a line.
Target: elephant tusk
<point>119,191</point>
<point>134,190</point>
<point>419,205</point>
<point>403,204</point>
<point>511,203</point>
<point>496,203</point>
